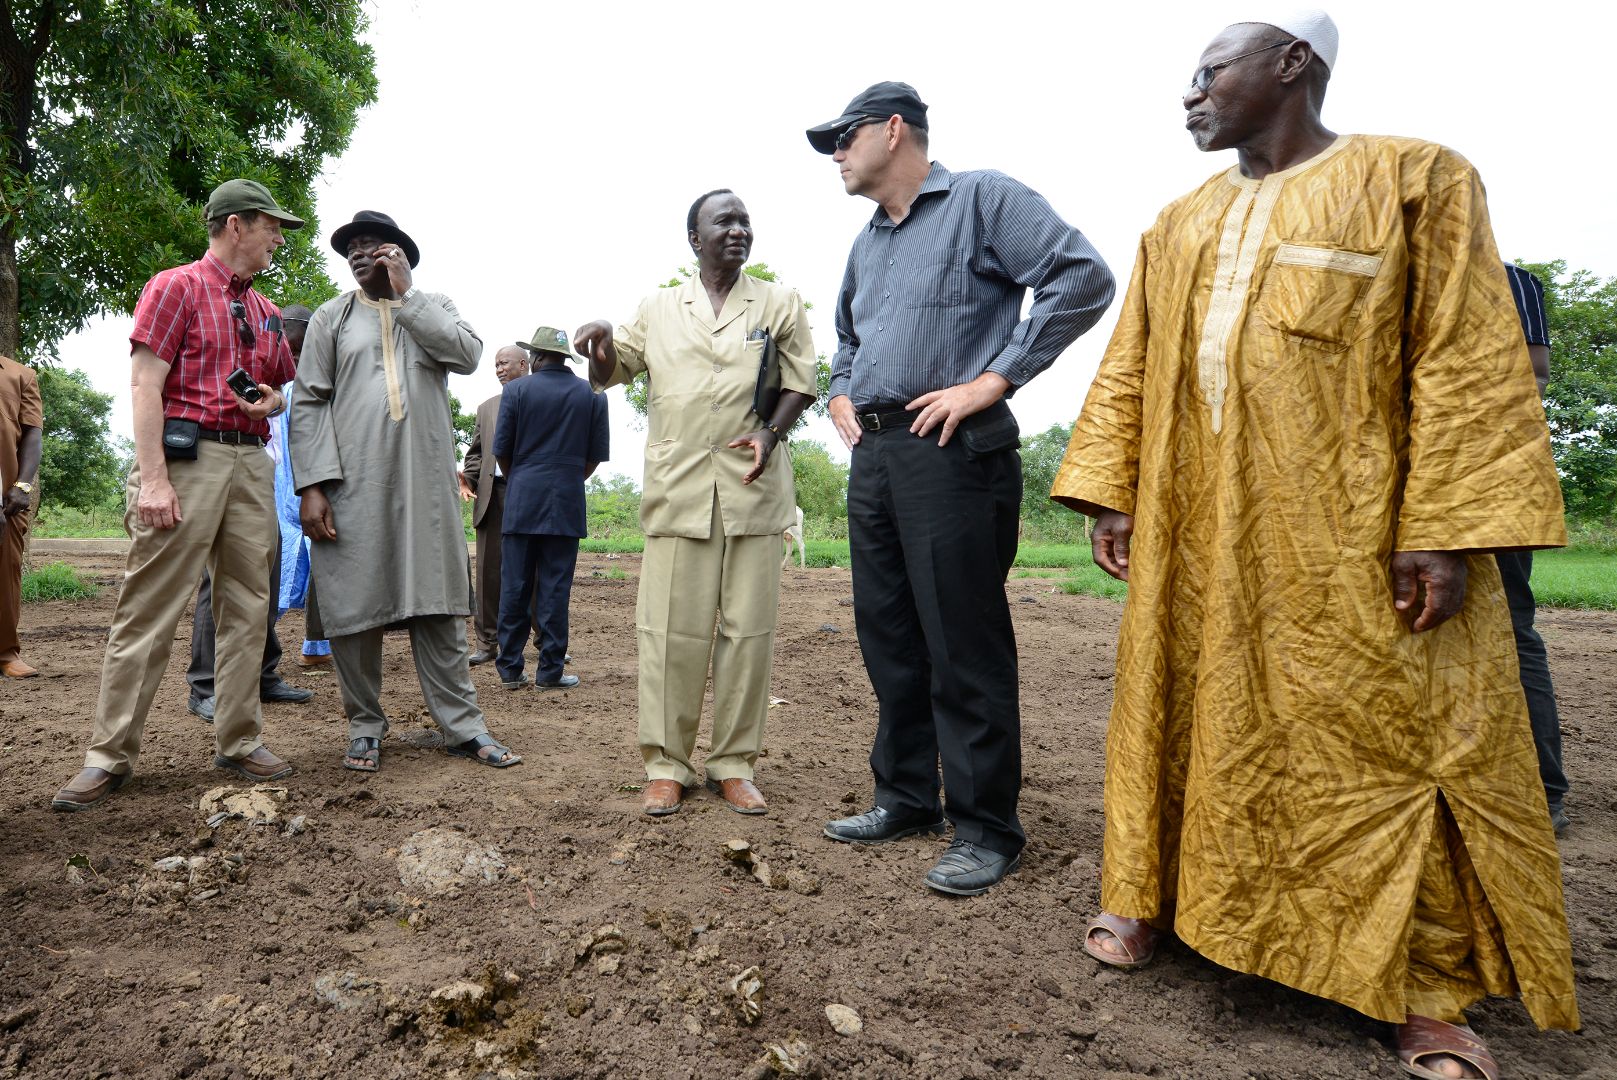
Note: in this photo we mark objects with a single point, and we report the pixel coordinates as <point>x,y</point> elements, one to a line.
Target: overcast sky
<point>543,156</point>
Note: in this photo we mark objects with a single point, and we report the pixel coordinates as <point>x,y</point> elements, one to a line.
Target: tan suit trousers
<point>227,526</point>
<point>13,543</point>
<point>687,587</point>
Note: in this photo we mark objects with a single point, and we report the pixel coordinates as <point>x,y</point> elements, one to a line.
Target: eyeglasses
<point>845,136</point>
<point>1204,78</point>
<point>244,330</point>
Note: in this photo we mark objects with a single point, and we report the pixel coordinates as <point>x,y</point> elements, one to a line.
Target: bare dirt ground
<point>544,927</point>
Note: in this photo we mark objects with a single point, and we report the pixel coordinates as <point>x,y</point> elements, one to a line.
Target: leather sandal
<point>363,749</point>
<point>1137,937</point>
<point>471,749</point>
<point>1422,1037</point>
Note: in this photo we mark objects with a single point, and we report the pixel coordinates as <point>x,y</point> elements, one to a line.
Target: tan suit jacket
<point>703,371</point>
<point>480,458</point>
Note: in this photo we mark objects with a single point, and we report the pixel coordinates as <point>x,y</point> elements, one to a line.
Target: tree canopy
<point>77,466</point>
<point>1581,401</point>
<point>117,118</point>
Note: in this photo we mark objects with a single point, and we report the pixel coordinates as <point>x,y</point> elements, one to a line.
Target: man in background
<point>482,479</point>
<point>271,687</point>
<point>1516,570</point>
<point>22,426</point>
<point>552,435</point>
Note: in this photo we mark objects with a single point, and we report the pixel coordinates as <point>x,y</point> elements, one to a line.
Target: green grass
<point>65,522</point>
<point>1576,578</point>
<point>57,581</point>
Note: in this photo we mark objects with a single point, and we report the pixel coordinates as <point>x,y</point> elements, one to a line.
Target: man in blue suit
<point>550,436</point>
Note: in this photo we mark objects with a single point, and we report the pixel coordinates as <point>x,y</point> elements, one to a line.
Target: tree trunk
<point>10,327</point>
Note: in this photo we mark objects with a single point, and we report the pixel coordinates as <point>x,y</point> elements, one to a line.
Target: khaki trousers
<point>686,587</point>
<point>227,526</point>
<point>13,543</point>
<point>438,643</point>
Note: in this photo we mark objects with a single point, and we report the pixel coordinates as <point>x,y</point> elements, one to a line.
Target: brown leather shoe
<point>86,789</point>
<point>16,669</point>
<point>306,661</point>
<point>259,765</point>
<point>662,797</point>
<point>742,796</point>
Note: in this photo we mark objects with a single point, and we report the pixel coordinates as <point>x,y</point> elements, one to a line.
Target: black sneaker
<point>1558,819</point>
<point>566,682</point>
<point>879,826</point>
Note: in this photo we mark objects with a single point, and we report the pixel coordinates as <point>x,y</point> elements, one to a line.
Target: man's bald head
<point>511,362</point>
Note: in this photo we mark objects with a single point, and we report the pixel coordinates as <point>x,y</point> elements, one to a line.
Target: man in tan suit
<point>717,498</point>
<point>482,480</point>
<point>21,438</point>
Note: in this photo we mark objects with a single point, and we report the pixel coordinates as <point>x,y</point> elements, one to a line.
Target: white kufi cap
<point>1305,24</point>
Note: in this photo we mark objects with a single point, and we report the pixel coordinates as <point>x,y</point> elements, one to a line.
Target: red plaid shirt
<point>183,316</point>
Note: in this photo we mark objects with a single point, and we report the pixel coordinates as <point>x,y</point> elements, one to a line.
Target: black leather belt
<point>234,438</point>
<point>884,419</point>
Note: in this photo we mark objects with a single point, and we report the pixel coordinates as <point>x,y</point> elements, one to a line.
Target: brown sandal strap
<point>1422,1036</point>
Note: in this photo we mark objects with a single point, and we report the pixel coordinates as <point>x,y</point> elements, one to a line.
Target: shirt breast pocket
<point>1315,295</point>
<point>934,283</point>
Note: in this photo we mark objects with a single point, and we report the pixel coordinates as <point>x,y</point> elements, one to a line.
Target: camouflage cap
<point>549,339</point>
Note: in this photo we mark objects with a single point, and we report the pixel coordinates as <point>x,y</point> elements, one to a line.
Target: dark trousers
<point>486,601</point>
<point>200,673</point>
<point>1516,570</point>
<point>932,533</point>
<point>536,585</point>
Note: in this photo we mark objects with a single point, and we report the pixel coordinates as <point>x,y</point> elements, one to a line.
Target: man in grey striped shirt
<point>931,343</point>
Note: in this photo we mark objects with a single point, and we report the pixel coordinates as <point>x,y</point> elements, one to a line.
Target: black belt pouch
<point>180,439</point>
<point>990,431</point>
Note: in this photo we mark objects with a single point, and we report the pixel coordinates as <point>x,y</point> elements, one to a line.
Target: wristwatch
<point>779,434</point>
<point>24,486</point>
<point>405,299</point>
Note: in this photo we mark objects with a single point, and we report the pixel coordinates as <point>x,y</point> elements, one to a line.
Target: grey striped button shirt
<point>936,300</point>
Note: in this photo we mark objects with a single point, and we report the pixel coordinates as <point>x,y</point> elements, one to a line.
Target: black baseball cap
<point>882,100</point>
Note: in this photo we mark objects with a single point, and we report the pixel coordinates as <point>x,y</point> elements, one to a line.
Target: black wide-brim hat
<point>375,223</point>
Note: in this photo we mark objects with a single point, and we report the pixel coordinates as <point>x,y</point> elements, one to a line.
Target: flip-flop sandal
<point>366,749</point>
<point>1137,937</point>
<point>470,748</point>
<point>1422,1037</point>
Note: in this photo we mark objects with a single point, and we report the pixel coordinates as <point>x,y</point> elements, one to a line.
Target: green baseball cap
<point>234,196</point>
<point>549,339</point>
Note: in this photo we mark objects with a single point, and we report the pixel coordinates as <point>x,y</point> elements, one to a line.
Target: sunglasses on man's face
<point>244,330</point>
<point>845,136</point>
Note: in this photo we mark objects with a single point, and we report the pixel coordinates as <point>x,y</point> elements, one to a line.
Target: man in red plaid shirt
<point>201,494</point>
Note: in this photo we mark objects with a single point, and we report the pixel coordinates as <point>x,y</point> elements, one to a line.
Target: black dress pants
<point>203,634</point>
<point>536,587</point>
<point>932,532</point>
<point>1516,570</point>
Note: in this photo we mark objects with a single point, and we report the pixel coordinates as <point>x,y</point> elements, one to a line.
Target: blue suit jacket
<point>550,424</point>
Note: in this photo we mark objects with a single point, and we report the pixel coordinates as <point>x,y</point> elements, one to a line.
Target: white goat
<point>794,535</point>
